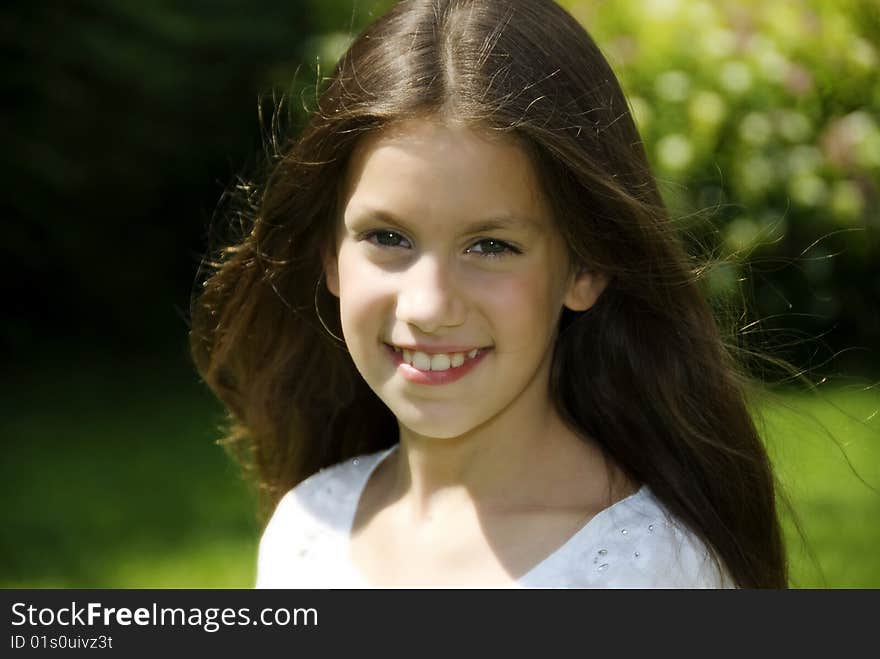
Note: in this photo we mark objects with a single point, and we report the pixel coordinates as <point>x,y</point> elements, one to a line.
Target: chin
<point>434,428</point>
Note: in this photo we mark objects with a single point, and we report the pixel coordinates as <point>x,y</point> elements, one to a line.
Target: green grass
<point>113,480</point>
<point>826,450</point>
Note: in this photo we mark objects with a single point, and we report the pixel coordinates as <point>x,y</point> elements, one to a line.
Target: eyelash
<point>509,249</point>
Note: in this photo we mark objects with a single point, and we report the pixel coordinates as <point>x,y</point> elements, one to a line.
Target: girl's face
<point>446,246</point>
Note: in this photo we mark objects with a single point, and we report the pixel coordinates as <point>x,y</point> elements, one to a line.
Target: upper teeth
<point>437,362</point>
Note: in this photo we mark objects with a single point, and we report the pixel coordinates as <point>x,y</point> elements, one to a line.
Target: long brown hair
<point>645,371</point>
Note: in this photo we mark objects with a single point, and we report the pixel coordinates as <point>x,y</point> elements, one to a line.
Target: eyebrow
<point>485,224</point>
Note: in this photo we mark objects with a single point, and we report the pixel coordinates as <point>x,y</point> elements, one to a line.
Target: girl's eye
<point>489,247</point>
<point>385,238</point>
<point>495,248</point>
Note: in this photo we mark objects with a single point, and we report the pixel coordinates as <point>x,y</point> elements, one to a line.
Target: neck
<point>522,458</point>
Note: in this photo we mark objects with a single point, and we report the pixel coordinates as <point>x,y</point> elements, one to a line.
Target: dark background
<point>122,126</point>
<point>121,130</point>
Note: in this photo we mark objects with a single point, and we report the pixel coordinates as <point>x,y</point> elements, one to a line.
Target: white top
<point>634,543</point>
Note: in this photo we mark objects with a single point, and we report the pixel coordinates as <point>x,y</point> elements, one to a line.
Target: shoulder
<point>310,524</point>
<point>316,501</point>
<point>637,543</point>
<point>658,550</point>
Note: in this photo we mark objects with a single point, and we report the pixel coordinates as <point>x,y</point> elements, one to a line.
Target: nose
<point>429,296</point>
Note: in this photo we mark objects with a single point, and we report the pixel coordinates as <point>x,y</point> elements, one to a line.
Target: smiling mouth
<point>422,361</point>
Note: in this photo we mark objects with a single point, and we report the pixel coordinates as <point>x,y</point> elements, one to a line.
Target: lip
<point>434,377</point>
<point>434,350</point>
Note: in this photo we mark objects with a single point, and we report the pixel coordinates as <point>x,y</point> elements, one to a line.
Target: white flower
<point>755,128</point>
<point>803,159</point>
<point>707,108</point>
<point>673,86</point>
<point>808,190</point>
<point>735,77</point>
<point>675,152</point>
<point>717,43</point>
<point>756,174</point>
<point>662,8</point>
<point>862,54</point>
<point>742,233</point>
<point>847,201</point>
<point>793,126</point>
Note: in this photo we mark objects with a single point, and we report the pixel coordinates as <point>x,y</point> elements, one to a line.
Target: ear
<point>584,289</point>
<point>331,270</point>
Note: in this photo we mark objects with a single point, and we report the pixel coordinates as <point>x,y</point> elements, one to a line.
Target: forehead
<point>424,168</point>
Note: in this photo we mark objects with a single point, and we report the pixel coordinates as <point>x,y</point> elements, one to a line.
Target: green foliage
<point>762,118</point>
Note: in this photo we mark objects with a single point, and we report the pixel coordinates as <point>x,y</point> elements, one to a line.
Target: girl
<point>461,342</point>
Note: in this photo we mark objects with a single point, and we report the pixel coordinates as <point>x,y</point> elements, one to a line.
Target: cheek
<point>522,309</point>
<point>362,290</point>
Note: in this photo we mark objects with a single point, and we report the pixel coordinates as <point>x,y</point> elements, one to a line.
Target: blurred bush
<point>764,119</point>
